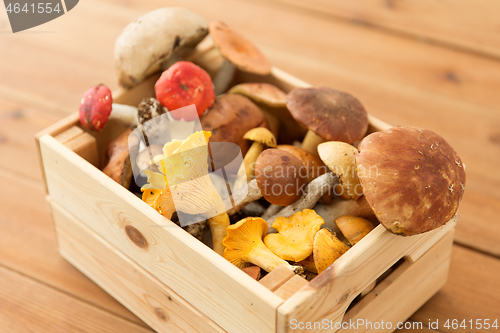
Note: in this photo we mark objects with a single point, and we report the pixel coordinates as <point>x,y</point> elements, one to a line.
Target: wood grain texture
<point>330,293</point>
<point>126,281</point>
<point>28,245</point>
<point>417,281</point>
<point>175,257</point>
<point>30,306</point>
<point>472,25</point>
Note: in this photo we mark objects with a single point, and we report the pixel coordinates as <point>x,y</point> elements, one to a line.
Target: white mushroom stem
<point>242,197</point>
<point>125,113</point>
<point>246,171</point>
<point>311,142</point>
<point>224,77</point>
<point>338,208</point>
<point>271,210</point>
<point>313,191</point>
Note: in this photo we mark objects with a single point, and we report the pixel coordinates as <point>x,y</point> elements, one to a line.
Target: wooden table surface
<point>411,62</point>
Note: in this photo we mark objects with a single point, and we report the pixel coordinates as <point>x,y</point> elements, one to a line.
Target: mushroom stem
<point>311,142</point>
<point>224,77</point>
<point>340,208</point>
<point>271,210</point>
<point>125,113</point>
<point>265,259</point>
<point>313,191</point>
<point>218,226</point>
<point>246,172</point>
<point>243,197</point>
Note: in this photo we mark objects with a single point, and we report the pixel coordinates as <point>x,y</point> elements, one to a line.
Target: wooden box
<point>174,283</point>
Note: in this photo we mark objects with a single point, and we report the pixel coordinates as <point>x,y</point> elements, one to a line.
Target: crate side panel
<point>330,293</point>
<point>142,293</point>
<point>218,289</point>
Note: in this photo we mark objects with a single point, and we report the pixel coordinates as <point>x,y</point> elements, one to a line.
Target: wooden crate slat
<point>187,266</point>
<point>331,292</point>
<point>130,284</point>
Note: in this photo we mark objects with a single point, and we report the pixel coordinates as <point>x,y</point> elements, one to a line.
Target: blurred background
<point>427,63</point>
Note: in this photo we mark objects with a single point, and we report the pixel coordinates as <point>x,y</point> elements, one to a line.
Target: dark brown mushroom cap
<point>229,119</point>
<point>280,176</point>
<point>331,114</point>
<point>412,178</point>
<point>239,50</point>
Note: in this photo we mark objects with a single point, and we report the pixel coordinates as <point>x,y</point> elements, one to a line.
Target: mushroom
<point>229,119</point>
<point>314,166</point>
<point>97,106</point>
<point>340,207</point>
<point>152,39</point>
<point>329,114</point>
<point>354,228</point>
<point>339,157</point>
<point>327,249</point>
<point>280,176</point>
<point>238,52</point>
<point>242,197</point>
<point>244,246</point>
<point>186,185</point>
<point>412,178</point>
<point>116,163</point>
<point>294,240</point>
<point>184,84</point>
<point>261,138</point>
<point>264,93</point>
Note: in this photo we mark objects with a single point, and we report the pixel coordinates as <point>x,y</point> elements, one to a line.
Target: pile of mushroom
<point>312,182</point>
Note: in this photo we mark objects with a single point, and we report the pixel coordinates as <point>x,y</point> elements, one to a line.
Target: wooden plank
<point>28,245</point>
<point>30,306</point>
<point>276,278</point>
<point>18,125</point>
<point>471,292</point>
<point>417,281</point>
<point>291,286</point>
<point>187,266</point>
<point>130,284</point>
<point>330,293</point>
<point>465,24</point>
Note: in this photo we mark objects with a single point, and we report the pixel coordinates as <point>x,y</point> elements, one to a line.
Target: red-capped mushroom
<point>97,106</point>
<point>183,84</point>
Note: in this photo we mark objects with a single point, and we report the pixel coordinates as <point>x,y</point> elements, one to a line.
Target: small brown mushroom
<point>280,176</point>
<point>261,138</point>
<point>229,119</point>
<point>412,178</point>
<point>329,114</point>
<point>313,165</point>
<point>116,162</point>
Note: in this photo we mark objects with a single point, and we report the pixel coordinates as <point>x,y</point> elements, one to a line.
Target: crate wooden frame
<point>175,283</point>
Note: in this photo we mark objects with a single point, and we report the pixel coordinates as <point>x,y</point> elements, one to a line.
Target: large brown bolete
<point>329,114</point>
<point>412,178</point>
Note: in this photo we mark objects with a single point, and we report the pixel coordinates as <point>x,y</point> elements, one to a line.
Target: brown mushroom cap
<point>412,178</point>
<point>280,176</point>
<point>239,50</point>
<point>314,165</point>
<point>331,114</point>
<point>229,119</point>
<point>264,93</point>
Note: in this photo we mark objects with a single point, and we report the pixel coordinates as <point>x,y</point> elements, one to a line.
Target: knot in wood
<point>136,237</point>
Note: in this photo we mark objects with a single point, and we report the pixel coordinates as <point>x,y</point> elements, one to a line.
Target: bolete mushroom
<point>314,167</point>
<point>327,249</point>
<point>97,106</point>
<point>294,240</point>
<point>329,114</point>
<point>183,84</point>
<point>244,246</point>
<point>339,158</point>
<point>261,138</point>
<point>152,39</point>
<point>354,228</point>
<point>229,119</point>
<point>261,92</point>
<point>412,178</point>
<point>238,52</point>
<point>186,185</point>
<point>280,176</point>
<point>116,162</point>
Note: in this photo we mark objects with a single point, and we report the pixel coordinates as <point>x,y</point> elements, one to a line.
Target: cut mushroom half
<point>238,52</point>
<point>152,39</point>
<point>328,114</point>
